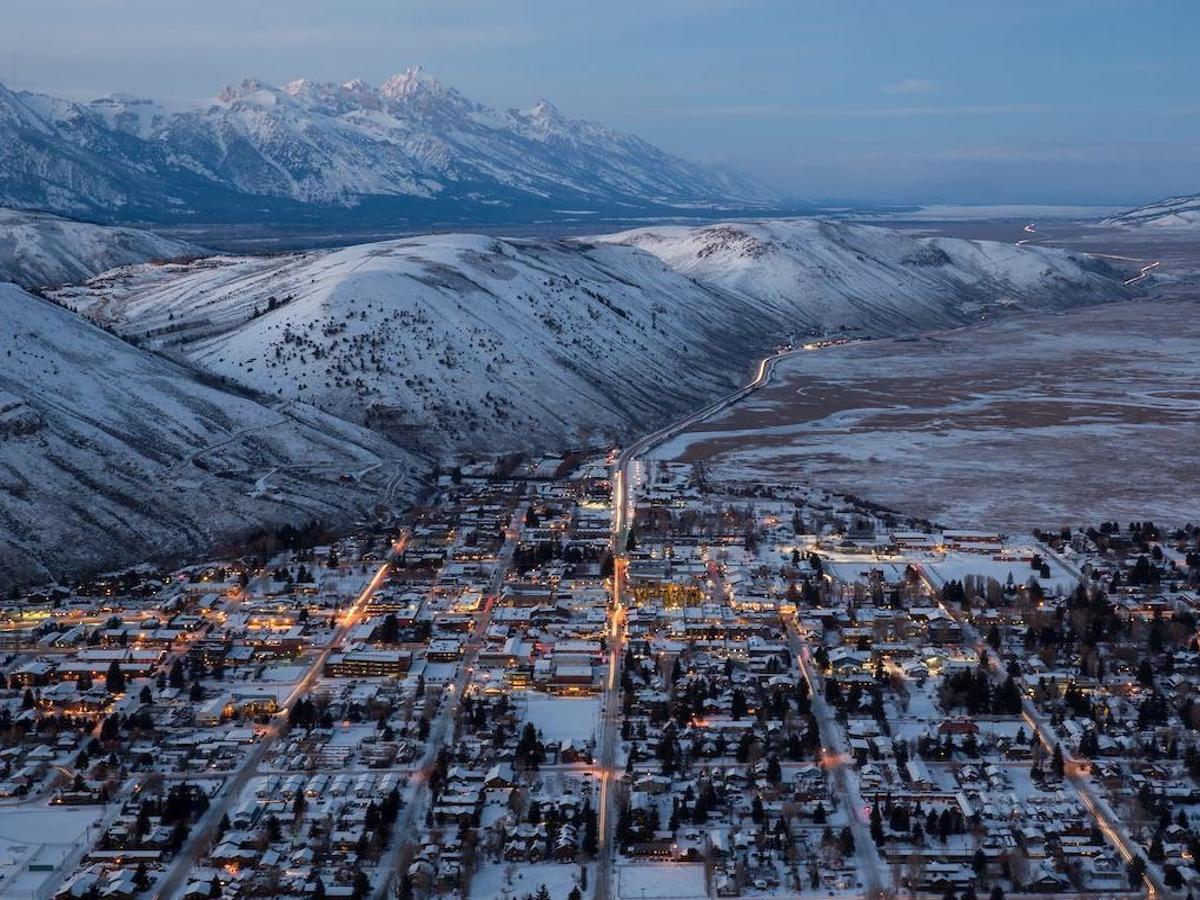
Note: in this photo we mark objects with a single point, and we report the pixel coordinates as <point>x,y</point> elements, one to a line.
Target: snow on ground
<point>1032,422</point>
<point>508,881</point>
<point>38,249</point>
<point>951,565</point>
<point>33,837</point>
<point>290,674</point>
<point>661,881</point>
<point>948,212</point>
<point>957,566</point>
<point>563,718</point>
<point>347,735</point>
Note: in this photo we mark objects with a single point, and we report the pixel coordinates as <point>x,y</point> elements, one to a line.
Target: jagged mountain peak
<point>411,150</point>
<point>332,98</point>
<point>542,120</point>
<point>544,109</point>
<point>249,89</point>
<point>411,80</point>
<point>414,92</point>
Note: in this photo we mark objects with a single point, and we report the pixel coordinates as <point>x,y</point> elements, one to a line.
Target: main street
<point>623,491</point>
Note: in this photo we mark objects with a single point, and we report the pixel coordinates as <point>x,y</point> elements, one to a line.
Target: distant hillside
<point>1174,212</point>
<point>37,249</point>
<point>830,276</point>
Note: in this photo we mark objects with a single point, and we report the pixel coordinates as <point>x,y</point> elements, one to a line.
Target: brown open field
<point>1042,421</point>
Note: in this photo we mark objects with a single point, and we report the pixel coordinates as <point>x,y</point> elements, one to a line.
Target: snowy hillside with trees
<point>110,454</point>
<point>828,276</point>
<point>472,343</point>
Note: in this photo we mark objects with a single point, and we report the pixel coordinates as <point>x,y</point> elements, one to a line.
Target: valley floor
<point>1018,424</point>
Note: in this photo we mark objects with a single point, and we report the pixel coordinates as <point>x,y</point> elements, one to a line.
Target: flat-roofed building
<point>364,663</point>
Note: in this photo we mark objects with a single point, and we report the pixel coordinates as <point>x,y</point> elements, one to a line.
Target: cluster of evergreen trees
<point>974,691</point>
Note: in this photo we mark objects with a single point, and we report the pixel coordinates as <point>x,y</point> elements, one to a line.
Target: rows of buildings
<point>756,690</point>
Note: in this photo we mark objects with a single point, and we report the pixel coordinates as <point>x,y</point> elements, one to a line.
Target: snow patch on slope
<point>1173,213</point>
<point>38,249</point>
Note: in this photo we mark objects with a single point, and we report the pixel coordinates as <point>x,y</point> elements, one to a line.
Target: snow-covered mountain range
<point>37,249</point>
<point>1174,212</point>
<point>470,343</point>
<point>408,151</point>
<point>110,454</point>
<point>826,276</point>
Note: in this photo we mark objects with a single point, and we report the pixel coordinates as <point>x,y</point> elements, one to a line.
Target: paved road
<point>204,830</point>
<point>623,492</point>
<point>837,761</point>
<point>1109,823</point>
<point>441,731</point>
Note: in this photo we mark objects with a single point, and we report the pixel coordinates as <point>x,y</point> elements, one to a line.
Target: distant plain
<point>1038,421</point>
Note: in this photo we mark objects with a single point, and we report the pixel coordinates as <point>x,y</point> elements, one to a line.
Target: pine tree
<point>114,681</point>
<point>590,832</point>
<point>1156,852</point>
<point>1136,870</point>
<point>979,863</point>
<point>1057,763</point>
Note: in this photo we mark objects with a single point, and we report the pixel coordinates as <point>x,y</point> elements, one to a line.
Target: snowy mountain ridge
<point>463,343</point>
<point>828,276</point>
<point>38,249</point>
<point>408,150</point>
<point>1173,212</point>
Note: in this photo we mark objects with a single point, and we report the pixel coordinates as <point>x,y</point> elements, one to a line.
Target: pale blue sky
<point>1050,101</point>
